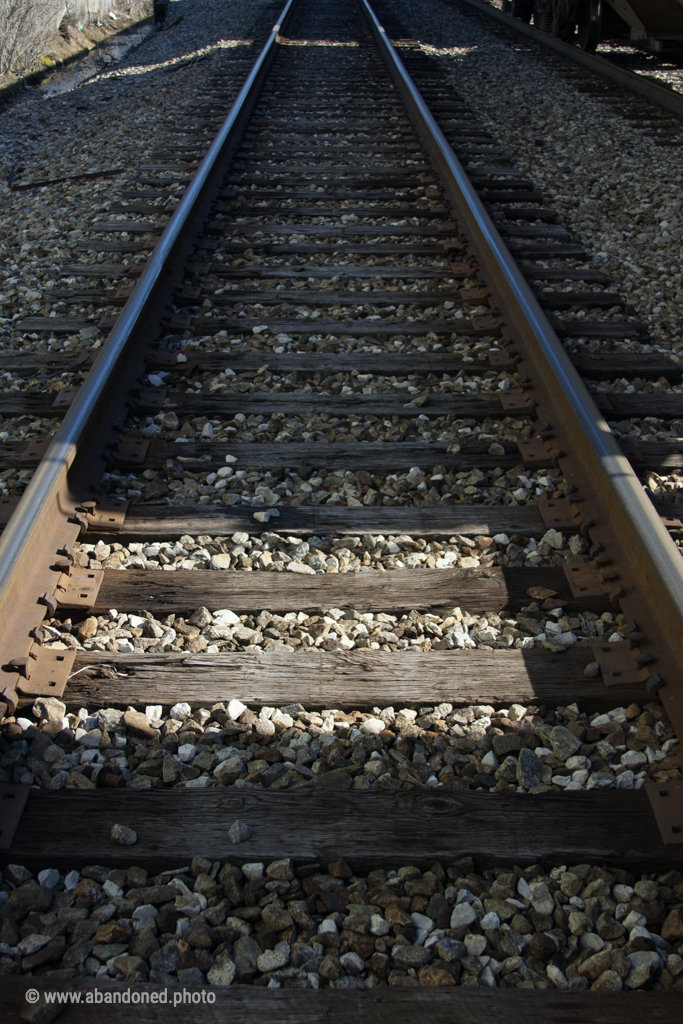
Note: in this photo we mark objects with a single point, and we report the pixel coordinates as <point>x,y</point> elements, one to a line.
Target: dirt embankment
<point>39,36</point>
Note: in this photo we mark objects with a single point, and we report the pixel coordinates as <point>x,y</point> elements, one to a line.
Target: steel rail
<point>649,90</point>
<point>641,539</point>
<point>31,528</point>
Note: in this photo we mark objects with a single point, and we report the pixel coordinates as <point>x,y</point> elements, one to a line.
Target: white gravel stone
<point>463,915</point>
<point>222,972</point>
<point>329,926</point>
<point>224,617</point>
<point>180,711</point>
<point>49,877</point>
<point>145,912</point>
<point>378,925</point>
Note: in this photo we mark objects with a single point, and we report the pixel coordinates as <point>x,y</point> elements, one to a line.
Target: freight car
<point>651,22</point>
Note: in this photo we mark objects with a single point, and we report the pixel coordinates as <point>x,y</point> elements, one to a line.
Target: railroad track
<point>406,538</point>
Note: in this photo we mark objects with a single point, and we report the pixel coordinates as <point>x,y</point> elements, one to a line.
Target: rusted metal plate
<point>108,322</point>
<point>473,294</point>
<point>150,398</point>
<point>560,513</point>
<point>516,400</point>
<point>669,512</point>
<point>666,801</point>
<point>86,357</point>
<point>131,451</point>
<point>48,672</point>
<point>585,580</point>
<point>35,450</point>
<point>486,323</point>
<point>165,360</point>
<point>503,359</point>
<point>462,268</point>
<point>618,665</point>
<point>79,587</point>
<point>65,397</point>
<point>7,507</point>
<point>672,522</point>
<point>107,514</point>
<point>180,322</point>
<point>537,453</point>
<point>13,797</point>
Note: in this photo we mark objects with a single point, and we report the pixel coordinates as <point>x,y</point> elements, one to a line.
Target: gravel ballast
<point>601,174</point>
<point>281,925</point>
<point>507,750</point>
<point>113,120</point>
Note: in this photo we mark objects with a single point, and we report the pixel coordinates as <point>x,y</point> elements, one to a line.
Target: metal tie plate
<point>180,322</point>
<point>560,513</point>
<point>474,294</point>
<point>79,587</point>
<point>162,359</point>
<point>490,324</point>
<point>666,801</point>
<point>669,512</point>
<point>47,672</point>
<point>503,359</point>
<point>150,399</point>
<point>13,797</point>
<point>35,450</point>
<point>107,323</point>
<point>131,451</point>
<point>65,398</point>
<point>462,268</point>
<point>618,665</point>
<point>107,514</point>
<point>537,453</point>
<point>516,400</point>
<point>585,580</point>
